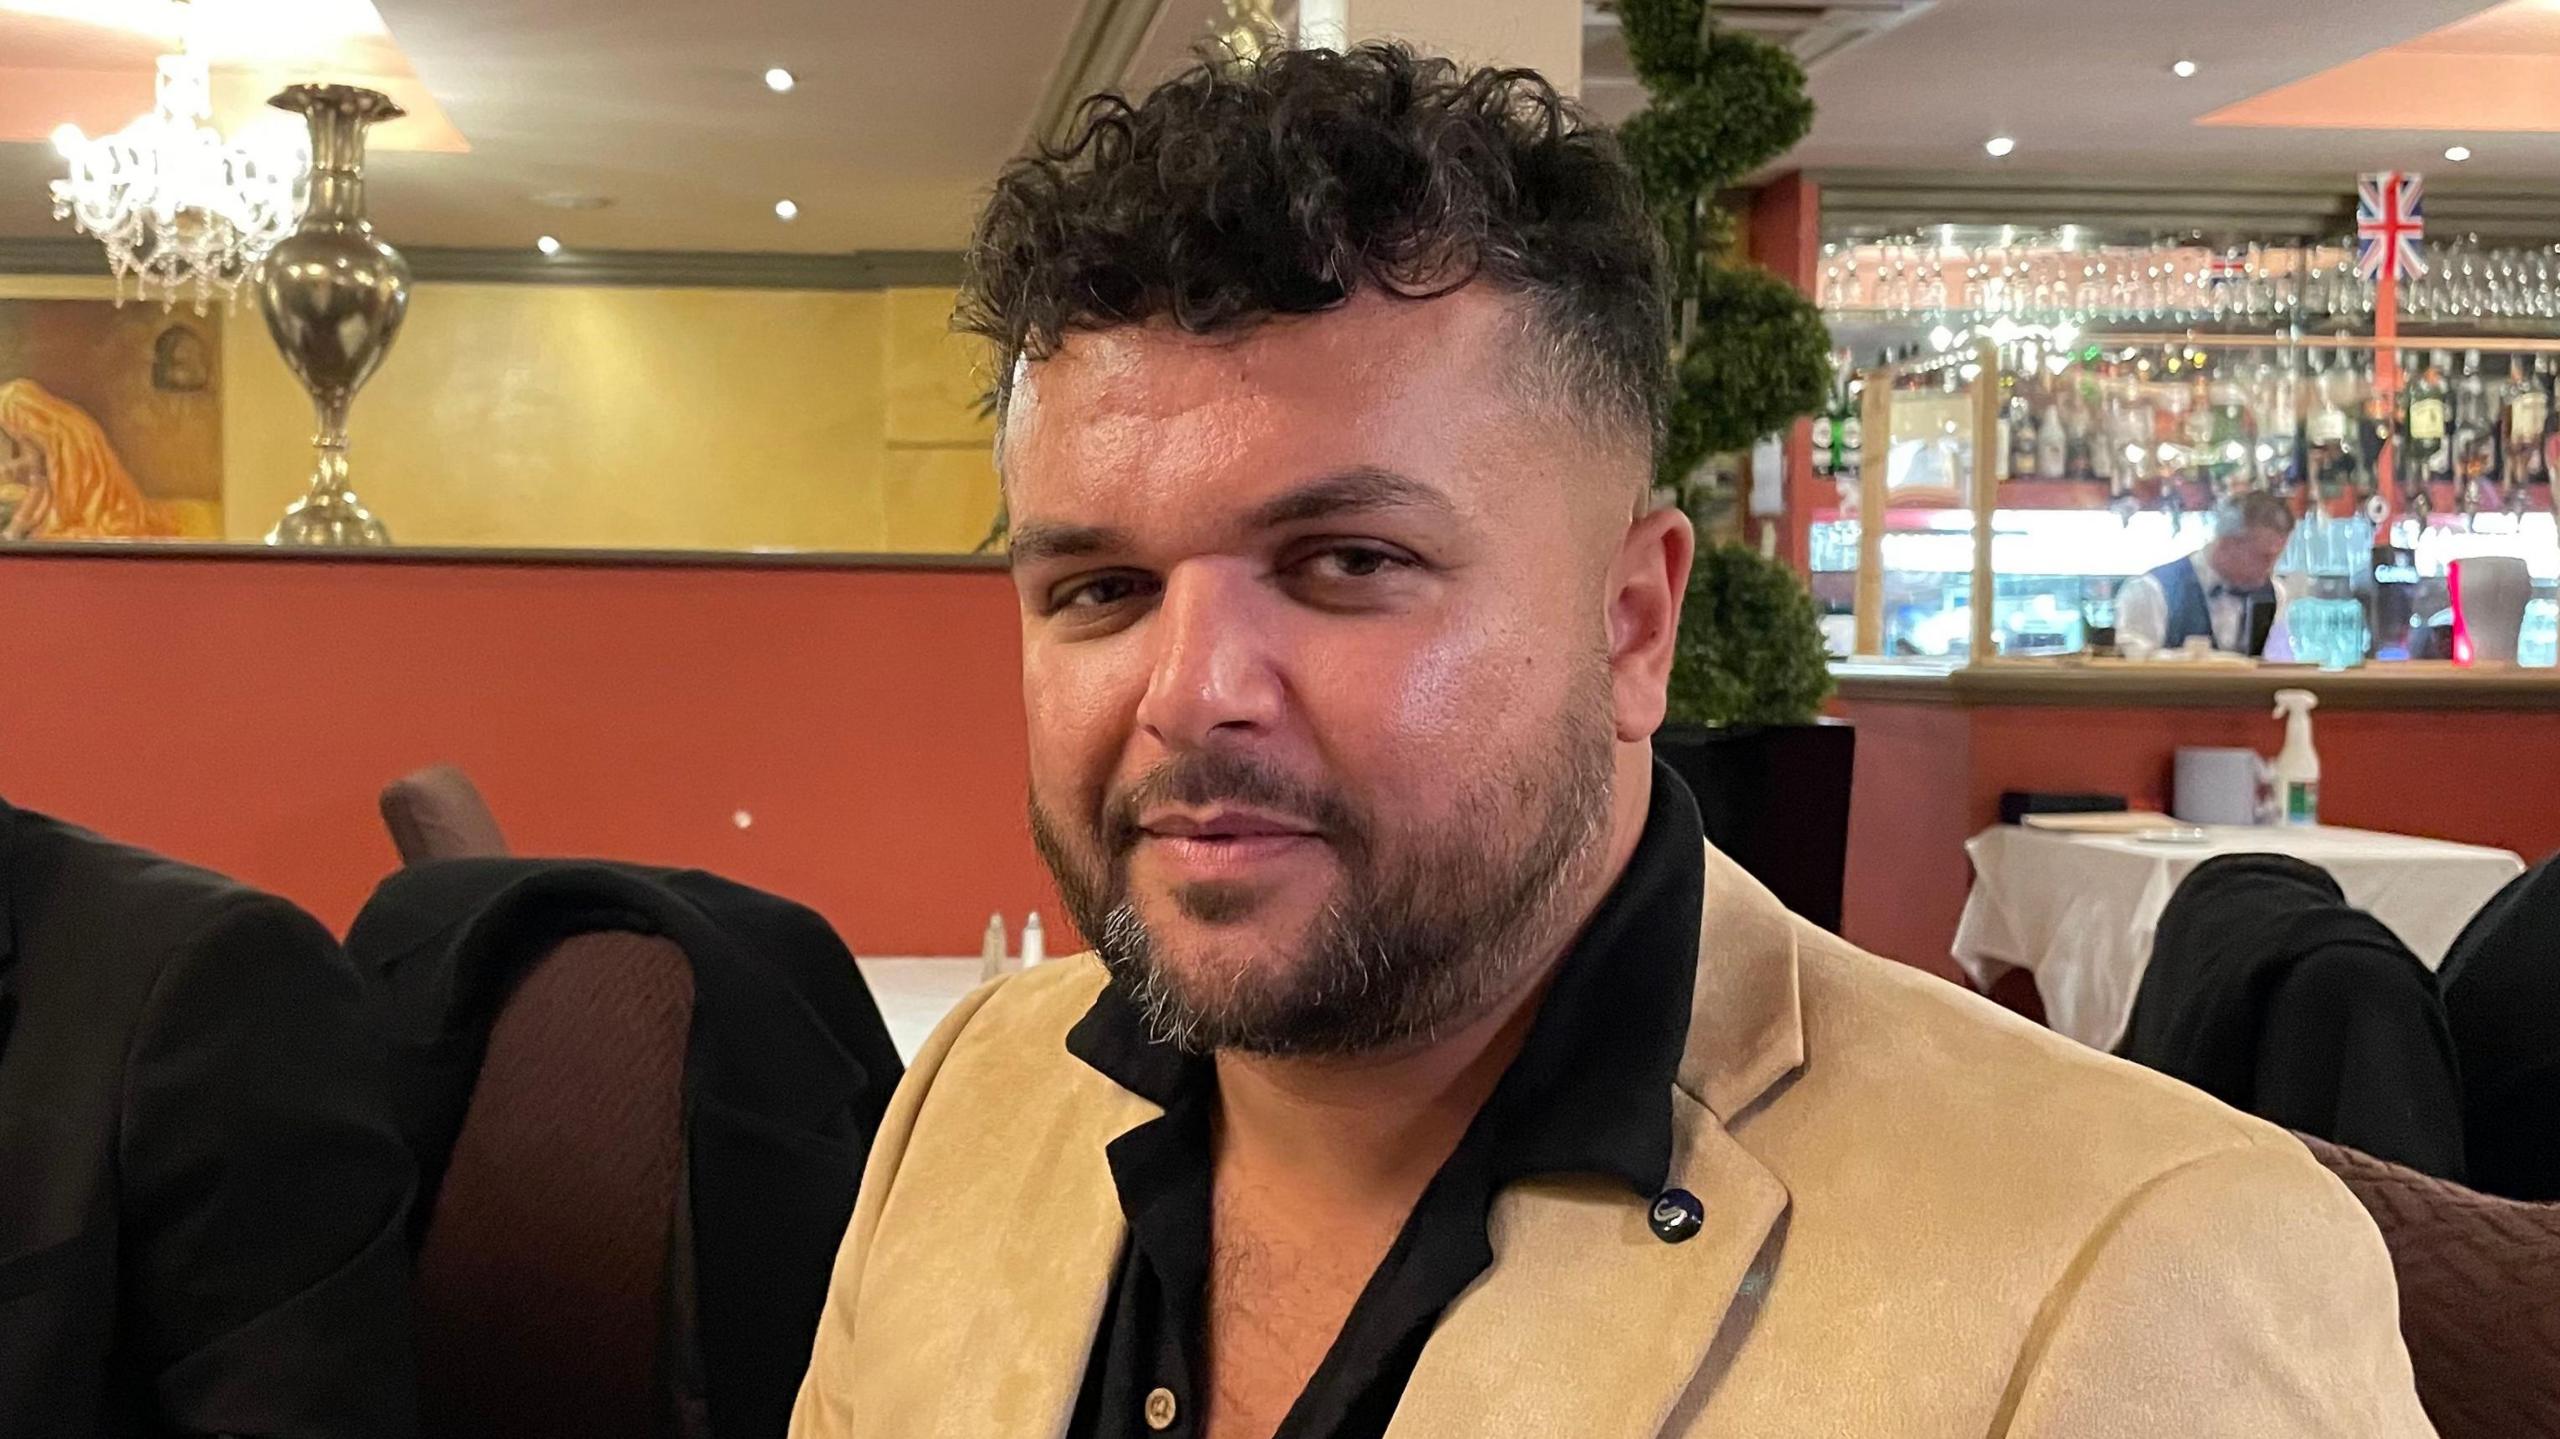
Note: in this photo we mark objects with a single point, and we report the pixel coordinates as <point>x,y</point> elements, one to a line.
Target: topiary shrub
<point>1750,646</point>
<point>1753,352</point>
<point>1763,360</point>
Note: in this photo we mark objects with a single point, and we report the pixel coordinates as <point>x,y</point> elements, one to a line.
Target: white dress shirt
<point>2142,609</point>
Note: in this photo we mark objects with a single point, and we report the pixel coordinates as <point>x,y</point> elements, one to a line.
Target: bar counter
<point>2412,684</point>
<point>2416,748</point>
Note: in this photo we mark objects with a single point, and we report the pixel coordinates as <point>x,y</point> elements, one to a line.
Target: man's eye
<point>1099,592</point>
<point>1353,562</point>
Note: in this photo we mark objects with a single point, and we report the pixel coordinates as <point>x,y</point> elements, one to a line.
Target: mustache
<point>1206,779</point>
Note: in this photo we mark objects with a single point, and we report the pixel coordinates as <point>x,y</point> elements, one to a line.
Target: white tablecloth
<point>914,994</point>
<point>2079,909</point>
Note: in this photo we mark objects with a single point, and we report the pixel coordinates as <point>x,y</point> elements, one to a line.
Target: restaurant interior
<point>542,431</point>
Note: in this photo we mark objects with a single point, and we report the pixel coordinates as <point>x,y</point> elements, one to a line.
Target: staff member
<point>1434,1077</point>
<point>2225,591</point>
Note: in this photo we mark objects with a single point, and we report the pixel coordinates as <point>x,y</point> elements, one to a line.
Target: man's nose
<point>1212,677</point>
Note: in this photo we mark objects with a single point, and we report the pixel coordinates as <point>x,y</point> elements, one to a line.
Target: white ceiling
<point>902,112</point>
<point>902,115</point>
<point>2084,87</point>
<point>905,109</point>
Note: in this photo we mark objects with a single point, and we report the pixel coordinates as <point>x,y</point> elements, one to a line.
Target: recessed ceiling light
<point>549,245</point>
<point>2458,154</point>
<point>779,80</point>
<point>1998,146</point>
<point>2184,69</point>
<point>785,210</point>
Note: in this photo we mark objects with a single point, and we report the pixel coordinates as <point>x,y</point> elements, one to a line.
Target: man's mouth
<point>1230,844</point>
<point>1218,824</point>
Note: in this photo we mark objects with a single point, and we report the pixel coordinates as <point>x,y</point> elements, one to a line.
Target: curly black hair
<point>1284,183</point>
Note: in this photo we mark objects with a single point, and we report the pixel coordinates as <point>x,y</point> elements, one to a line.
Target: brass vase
<point>334,297</point>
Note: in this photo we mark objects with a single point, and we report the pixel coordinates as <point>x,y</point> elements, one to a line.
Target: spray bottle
<point>2297,768</point>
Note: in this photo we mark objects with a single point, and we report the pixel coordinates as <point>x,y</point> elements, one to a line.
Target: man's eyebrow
<point>1351,491</point>
<point>1034,542</point>
<point>1360,489</point>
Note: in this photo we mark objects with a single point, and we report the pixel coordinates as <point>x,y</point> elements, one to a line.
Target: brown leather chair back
<point>2479,1295</point>
<point>437,813</point>
<point>543,1285</point>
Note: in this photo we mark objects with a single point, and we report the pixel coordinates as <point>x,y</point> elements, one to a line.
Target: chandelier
<point>179,208</point>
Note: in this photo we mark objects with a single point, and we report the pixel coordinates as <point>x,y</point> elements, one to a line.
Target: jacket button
<point>1160,1409</point>
<point>1677,1216</point>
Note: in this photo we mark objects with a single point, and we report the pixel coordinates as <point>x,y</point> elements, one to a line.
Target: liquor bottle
<point>2523,414</point>
<point>2199,415</point>
<point>2231,449</point>
<point>2375,430</point>
<point>2168,412</point>
<point>1852,388</point>
<point>1851,432</point>
<point>2546,380</point>
<point>2429,416</point>
<point>2053,442</point>
<point>2329,460</point>
<point>2079,435</point>
<point>2475,436</point>
<point>2104,457</point>
<point>2022,431</point>
<point>2279,422</point>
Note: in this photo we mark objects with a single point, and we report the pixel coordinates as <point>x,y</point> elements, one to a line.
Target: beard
<point>1428,926</point>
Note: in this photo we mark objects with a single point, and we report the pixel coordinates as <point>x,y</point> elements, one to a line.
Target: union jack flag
<point>2391,226</point>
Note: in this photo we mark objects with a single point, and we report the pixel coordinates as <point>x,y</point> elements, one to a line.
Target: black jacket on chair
<point>2502,993</point>
<point>201,1188</point>
<point>787,1071</point>
<point>2268,991</point>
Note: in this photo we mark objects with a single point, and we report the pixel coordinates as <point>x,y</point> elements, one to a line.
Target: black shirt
<point>1589,1093</point>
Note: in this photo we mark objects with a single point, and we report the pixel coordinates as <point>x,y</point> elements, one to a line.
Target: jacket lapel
<point>1587,1324</point>
<point>1054,1286</point>
<point>1012,1329</point>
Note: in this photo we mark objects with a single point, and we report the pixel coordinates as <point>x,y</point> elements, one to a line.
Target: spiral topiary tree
<point>1749,651</point>
<point>1753,355</point>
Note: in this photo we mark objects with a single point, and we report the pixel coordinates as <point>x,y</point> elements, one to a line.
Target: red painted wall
<point>1930,775</point>
<point>242,713</point>
<point>1910,811</point>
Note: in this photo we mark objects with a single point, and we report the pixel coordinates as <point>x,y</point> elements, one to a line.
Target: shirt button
<point>1677,1216</point>
<point>1160,1409</point>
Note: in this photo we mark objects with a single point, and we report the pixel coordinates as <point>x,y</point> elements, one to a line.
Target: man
<point>1434,1078</point>
<point>2224,592</point>
<point>201,1191</point>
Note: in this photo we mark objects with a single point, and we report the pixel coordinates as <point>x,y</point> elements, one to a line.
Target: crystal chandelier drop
<point>178,207</point>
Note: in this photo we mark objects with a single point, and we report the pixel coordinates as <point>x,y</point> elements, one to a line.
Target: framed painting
<point>110,421</point>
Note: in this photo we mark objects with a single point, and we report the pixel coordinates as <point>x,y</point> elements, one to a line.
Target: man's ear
<point>1647,581</point>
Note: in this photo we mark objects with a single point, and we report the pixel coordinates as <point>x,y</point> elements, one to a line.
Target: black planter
<point>1776,799</point>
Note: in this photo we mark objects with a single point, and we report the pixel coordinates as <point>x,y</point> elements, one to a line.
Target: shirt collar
<point>1590,1091</point>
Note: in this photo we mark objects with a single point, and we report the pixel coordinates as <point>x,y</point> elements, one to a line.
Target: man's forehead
<point>1369,340</point>
<point>1149,426</point>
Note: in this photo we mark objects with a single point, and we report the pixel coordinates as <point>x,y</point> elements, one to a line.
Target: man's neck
<point>1369,1132</point>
